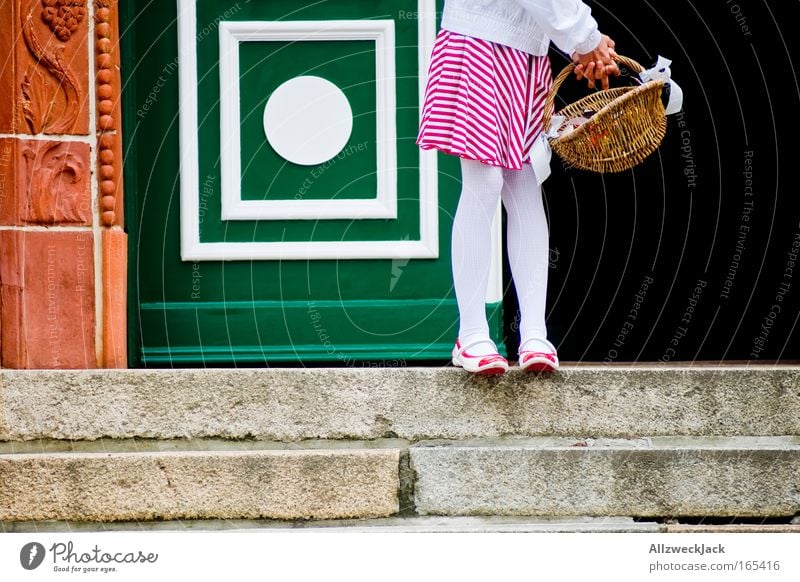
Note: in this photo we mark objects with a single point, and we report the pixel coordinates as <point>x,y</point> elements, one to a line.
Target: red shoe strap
<point>462,350</point>
<point>528,355</point>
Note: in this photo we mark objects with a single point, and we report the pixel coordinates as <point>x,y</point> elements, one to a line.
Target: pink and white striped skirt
<point>483,101</point>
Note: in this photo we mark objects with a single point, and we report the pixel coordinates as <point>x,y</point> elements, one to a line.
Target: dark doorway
<point>694,255</point>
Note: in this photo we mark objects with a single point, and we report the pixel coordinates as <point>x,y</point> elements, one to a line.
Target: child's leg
<point>528,251</point>
<point>471,252</point>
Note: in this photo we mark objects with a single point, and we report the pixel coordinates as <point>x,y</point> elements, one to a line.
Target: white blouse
<point>527,25</point>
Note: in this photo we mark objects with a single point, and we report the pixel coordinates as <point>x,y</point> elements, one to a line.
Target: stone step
<point>184,481</point>
<point>734,476</point>
<point>732,528</point>
<point>413,524</point>
<point>659,477</point>
<point>409,403</point>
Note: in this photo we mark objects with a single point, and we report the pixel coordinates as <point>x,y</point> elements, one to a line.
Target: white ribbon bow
<point>662,72</point>
<point>541,152</point>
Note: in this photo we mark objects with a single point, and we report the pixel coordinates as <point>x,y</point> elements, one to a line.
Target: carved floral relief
<point>43,109</point>
<point>55,180</point>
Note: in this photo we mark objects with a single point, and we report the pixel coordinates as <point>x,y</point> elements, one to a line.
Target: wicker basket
<point>628,125</point>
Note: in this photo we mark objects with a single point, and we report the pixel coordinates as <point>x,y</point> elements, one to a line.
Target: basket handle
<point>566,72</point>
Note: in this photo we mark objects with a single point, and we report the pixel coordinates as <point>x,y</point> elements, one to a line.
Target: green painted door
<point>278,207</point>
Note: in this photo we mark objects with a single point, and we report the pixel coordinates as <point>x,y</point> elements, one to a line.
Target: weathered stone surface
<point>668,477</point>
<point>412,403</point>
<point>321,484</point>
<point>48,300</point>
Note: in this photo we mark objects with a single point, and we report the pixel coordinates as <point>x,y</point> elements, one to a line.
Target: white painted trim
<point>192,249</point>
<point>494,288</point>
<point>307,251</point>
<point>189,153</point>
<point>231,35</point>
<point>428,160</point>
<point>309,209</point>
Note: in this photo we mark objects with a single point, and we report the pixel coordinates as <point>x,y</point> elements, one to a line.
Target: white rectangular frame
<point>192,249</point>
<point>231,35</point>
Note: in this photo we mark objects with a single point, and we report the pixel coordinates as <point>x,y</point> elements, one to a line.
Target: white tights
<point>528,249</point>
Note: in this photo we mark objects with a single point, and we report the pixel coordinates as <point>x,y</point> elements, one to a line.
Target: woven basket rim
<point>616,103</point>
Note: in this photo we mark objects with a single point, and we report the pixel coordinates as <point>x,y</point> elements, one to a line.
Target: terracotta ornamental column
<point>63,253</point>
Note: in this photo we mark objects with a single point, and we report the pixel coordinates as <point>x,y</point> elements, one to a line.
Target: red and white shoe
<point>541,358</point>
<point>490,364</point>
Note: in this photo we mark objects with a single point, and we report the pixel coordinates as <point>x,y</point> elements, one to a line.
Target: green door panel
<point>259,309</point>
<point>351,66</point>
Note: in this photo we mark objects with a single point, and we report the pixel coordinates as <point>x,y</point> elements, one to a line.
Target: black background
<point>610,233</point>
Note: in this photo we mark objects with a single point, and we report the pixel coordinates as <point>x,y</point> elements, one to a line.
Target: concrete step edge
<point>411,403</point>
<point>223,446</point>
<point>715,481</point>
<point>415,524</point>
<point>312,484</point>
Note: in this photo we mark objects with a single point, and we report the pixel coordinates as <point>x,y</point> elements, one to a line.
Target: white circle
<point>308,120</point>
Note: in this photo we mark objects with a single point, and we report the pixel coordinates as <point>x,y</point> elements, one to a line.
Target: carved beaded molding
<point>106,97</point>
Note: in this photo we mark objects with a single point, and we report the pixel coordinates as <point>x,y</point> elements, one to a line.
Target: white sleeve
<point>568,23</point>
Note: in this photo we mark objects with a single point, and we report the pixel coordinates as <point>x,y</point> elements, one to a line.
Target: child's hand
<point>598,64</point>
